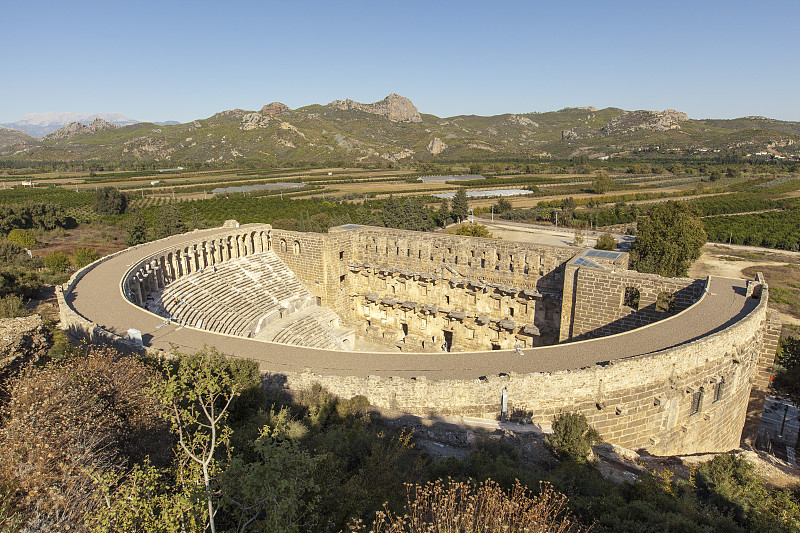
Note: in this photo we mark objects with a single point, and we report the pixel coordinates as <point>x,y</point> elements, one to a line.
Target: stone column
<point>201,255</point>
<point>226,249</point>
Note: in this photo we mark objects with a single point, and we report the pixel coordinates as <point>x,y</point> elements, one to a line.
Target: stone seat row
<point>315,327</point>
<point>235,297</point>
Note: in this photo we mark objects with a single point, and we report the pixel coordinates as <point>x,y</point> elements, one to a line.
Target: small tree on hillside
<point>197,393</point>
<point>22,238</point>
<point>57,262</point>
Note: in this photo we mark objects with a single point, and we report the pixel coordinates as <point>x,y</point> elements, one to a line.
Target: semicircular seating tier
<point>256,296</point>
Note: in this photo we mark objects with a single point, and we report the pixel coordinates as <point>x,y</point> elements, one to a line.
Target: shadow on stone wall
<point>649,314</point>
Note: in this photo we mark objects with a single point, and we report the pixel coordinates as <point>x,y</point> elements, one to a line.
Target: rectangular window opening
<point>697,399</point>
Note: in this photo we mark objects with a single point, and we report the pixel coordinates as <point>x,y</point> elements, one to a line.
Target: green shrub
<point>56,262</point>
<point>474,230</point>
<point>605,242</point>
<point>24,283</point>
<point>110,201</point>
<point>22,238</point>
<point>84,256</point>
<point>572,438</point>
<point>11,306</point>
<point>8,251</point>
<point>731,484</point>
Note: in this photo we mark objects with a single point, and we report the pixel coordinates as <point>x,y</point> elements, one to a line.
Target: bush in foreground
<point>445,506</point>
<point>572,437</point>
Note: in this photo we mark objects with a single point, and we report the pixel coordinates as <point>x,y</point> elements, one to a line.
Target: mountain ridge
<point>393,130</point>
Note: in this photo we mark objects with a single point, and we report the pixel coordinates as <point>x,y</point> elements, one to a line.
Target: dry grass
<point>451,507</point>
<point>784,285</point>
<point>68,424</point>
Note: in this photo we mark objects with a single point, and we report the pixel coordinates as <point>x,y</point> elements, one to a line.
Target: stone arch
<point>296,247</point>
<point>631,297</point>
<point>283,246</point>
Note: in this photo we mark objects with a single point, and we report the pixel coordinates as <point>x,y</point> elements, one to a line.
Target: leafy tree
<point>407,213</point>
<point>733,172</point>
<point>474,230</point>
<point>475,168</point>
<point>668,240</point>
<point>267,493</point>
<point>602,183</point>
<point>196,395</point>
<point>442,215</point>
<point>568,206</point>
<point>84,256</point>
<point>460,206</point>
<point>137,230</point>
<point>502,206</point>
<point>110,201</point>
<point>22,238</point>
<point>579,236</point>
<point>572,438</point>
<point>9,251</point>
<point>169,221</point>
<point>605,242</point>
<point>57,262</point>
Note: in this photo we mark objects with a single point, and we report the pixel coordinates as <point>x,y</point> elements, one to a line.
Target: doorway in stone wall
<point>448,340</point>
<point>405,330</point>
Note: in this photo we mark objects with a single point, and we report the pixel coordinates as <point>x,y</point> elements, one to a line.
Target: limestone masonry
<point>434,324</point>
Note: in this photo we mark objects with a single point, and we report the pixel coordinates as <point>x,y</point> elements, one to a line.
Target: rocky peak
<point>394,107</point>
<point>275,108</point>
<point>78,128</point>
<point>631,121</point>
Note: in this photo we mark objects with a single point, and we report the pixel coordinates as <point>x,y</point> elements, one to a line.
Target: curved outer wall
<point>664,402</point>
<point>639,403</point>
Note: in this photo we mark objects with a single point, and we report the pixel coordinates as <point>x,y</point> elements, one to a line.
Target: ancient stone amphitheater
<point>433,324</point>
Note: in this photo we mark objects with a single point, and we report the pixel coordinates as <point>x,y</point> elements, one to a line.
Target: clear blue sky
<point>181,60</point>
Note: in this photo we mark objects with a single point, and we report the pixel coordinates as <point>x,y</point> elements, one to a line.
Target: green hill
<point>393,130</point>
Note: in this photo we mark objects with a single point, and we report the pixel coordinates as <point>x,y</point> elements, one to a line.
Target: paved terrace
<point>98,298</point>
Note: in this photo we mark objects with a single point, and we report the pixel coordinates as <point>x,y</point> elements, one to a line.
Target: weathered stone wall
<point>304,254</point>
<point>684,400</point>
<point>528,266</point>
<point>763,373</point>
<point>425,312</point>
<point>594,306</point>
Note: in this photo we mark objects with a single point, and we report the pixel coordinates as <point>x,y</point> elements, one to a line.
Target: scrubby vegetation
<point>100,441</point>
